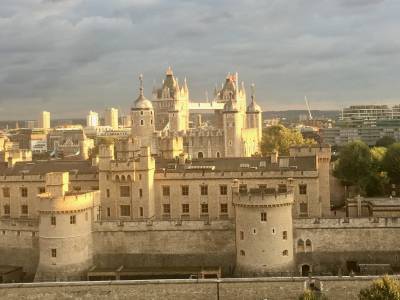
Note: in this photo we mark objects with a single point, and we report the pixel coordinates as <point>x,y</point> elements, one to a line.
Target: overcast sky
<point>70,56</point>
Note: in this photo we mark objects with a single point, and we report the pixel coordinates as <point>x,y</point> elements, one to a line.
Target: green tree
<point>385,288</point>
<point>279,138</point>
<point>312,295</point>
<point>385,141</point>
<point>354,164</point>
<point>391,163</point>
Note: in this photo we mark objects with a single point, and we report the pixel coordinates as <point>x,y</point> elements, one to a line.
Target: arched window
<point>285,252</point>
<point>141,122</point>
<point>200,155</point>
<point>218,155</point>
<point>242,253</point>
<point>128,178</point>
<point>123,178</point>
<point>300,245</point>
<point>284,235</point>
<point>116,178</point>
<point>308,245</point>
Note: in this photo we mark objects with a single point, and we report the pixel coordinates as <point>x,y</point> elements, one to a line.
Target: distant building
<point>92,119</point>
<point>30,124</point>
<point>44,120</point>
<point>111,117</point>
<point>367,115</point>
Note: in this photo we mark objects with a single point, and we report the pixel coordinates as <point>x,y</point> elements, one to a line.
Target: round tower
<point>65,230</point>
<point>264,231</point>
<point>142,119</point>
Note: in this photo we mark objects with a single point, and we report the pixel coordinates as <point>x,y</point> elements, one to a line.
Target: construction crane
<point>308,108</point>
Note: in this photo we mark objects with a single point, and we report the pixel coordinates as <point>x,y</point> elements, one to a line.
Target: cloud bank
<point>70,56</point>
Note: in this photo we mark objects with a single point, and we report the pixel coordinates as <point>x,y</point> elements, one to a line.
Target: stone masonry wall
<point>224,289</point>
<point>164,244</point>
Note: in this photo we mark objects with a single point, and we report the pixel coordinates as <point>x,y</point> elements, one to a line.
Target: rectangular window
<point>303,208</point>
<point>282,188</point>
<point>223,190</point>
<point>263,217</point>
<point>243,188</point>
<point>185,208</point>
<point>262,187</point>
<point>6,192</point>
<point>24,192</point>
<point>204,208</point>
<point>284,235</point>
<point>242,235</point>
<point>185,190</point>
<point>41,190</point>
<point>166,209</point>
<point>165,190</point>
<point>204,190</point>
<point>140,211</point>
<point>72,219</point>
<point>124,191</point>
<point>108,211</point>
<point>53,220</point>
<point>24,209</point>
<point>125,210</point>
<point>140,193</point>
<point>224,208</point>
<point>54,253</point>
<point>303,189</point>
<point>6,209</point>
<point>108,193</point>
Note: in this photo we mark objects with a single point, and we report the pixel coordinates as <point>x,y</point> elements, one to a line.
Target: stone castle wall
<point>164,244</point>
<point>19,245</point>
<point>223,289</point>
<point>335,242</point>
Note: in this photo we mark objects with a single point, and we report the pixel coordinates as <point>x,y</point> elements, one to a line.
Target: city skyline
<point>68,57</point>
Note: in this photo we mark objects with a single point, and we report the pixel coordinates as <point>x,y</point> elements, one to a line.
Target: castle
<point>174,200</point>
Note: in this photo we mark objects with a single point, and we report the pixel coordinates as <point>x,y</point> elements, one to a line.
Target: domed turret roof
<point>253,106</point>
<point>142,102</point>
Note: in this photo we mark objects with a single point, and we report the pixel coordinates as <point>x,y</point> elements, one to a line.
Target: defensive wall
<point>334,244</point>
<point>222,289</point>
<point>164,243</point>
<point>19,244</point>
<point>340,242</point>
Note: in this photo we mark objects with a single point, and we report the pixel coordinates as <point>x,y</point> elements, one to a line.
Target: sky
<point>72,56</point>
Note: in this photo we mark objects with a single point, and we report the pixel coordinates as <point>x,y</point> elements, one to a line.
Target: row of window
<point>125,210</point>
<point>284,234</point>
<point>40,190</point>
<point>223,189</point>
<point>284,253</point>
<point>24,209</point>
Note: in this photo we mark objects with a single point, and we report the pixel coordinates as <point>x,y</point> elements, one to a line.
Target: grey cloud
<point>72,56</point>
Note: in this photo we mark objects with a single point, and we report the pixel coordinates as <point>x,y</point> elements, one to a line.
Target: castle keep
<point>176,199</point>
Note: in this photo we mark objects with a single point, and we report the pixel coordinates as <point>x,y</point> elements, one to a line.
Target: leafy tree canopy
<point>391,162</point>
<point>354,164</point>
<point>279,138</point>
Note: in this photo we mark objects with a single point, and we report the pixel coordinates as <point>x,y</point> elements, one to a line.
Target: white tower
<point>142,119</point>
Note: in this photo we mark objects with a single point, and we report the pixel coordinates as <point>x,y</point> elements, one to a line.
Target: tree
<point>279,138</point>
<point>312,295</point>
<point>354,165</point>
<point>382,289</point>
<point>385,141</point>
<point>391,163</point>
